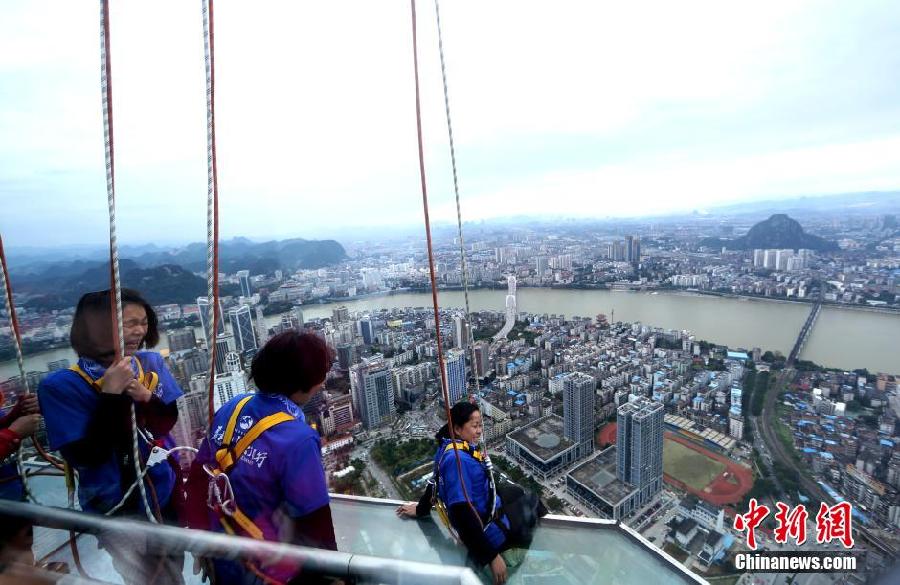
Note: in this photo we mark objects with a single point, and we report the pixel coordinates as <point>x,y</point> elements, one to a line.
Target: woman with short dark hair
<point>277,476</point>
<point>488,519</point>
<point>87,413</point>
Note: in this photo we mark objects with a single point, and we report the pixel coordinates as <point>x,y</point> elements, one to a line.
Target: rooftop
<point>598,474</point>
<point>544,437</point>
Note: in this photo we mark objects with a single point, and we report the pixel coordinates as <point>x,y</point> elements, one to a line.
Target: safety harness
<point>220,498</point>
<point>150,380</point>
<point>436,480</point>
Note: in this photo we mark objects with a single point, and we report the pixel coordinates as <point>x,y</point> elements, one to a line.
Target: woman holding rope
<point>86,409</point>
<point>465,495</point>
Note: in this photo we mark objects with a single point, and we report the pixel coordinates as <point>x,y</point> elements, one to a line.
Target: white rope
<point>113,240</point>
<point>210,192</point>
<point>470,337</point>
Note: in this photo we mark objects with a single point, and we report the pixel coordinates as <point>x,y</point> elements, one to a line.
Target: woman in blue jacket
<point>87,413</point>
<point>487,522</point>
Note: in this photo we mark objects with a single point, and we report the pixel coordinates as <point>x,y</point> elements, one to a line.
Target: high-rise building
<point>769,259</point>
<point>205,317</point>
<point>541,264</point>
<point>460,332</point>
<point>181,339</point>
<point>192,417</point>
<point>759,258</point>
<point>233,362</point>
<point>345,355</point>
<point>367,330</point>
<point>781,259</point>
<point>629,248</point>
<point>639,446</point>
<point>339,315</point>
<point>339,414</point>
<point>636,250</point>
<point>244,278</point>
<point>372,390</point>
<point>262,330</point>
<point>736,425</point>
<point>455,368</point>
<point>224,345</point>
<point>578,411</point>
<point>482,354</point>
<point>227,386</point>
<point>242,328</point>
<point>736,396</point>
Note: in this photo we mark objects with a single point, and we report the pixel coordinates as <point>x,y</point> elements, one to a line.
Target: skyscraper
<point>339,315</point>
<point>578,411</point>
<point>482,358</point>
<point>205,317</point>
<point>262,330</point>
<point>224,345</point>
<point>636,250</point>
<point>367,330</point>
<point>629,248</point>
<point>460,332</point>
<point>242,328</point>
<point>244,278</point>
<point>455,368</point>
<point>639,446</point>
<point>372,390</point>
<point>227,386</point>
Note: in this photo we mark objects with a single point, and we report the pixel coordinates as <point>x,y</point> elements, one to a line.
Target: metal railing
<point>170,539</point>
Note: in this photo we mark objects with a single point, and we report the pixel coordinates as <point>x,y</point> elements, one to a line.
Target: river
<point>842,338</point>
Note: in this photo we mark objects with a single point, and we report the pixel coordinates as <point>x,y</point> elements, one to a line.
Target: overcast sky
<point>570,108</point>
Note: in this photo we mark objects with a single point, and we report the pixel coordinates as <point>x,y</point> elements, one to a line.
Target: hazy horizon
<point>576,110</point>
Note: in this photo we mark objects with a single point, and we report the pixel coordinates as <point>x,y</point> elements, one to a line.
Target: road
<point>382,478</point>
<point>778,451</point>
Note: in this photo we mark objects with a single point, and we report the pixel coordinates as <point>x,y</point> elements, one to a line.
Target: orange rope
<point>437,318</point>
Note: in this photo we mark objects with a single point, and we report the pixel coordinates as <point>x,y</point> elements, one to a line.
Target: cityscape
<point>665,431</point>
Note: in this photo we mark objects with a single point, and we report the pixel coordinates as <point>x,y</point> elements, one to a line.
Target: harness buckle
<point>220,496</point>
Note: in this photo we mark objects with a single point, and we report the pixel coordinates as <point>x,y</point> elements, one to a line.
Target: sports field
<point>688,466</point>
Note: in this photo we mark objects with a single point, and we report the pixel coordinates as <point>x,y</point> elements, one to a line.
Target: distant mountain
<point>259,258</point>
<point>168,283</point>
<point>779,231</point>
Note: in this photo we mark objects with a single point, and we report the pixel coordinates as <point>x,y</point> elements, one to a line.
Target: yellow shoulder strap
<point>464,446</point>
<point>229,428</point>
<point>95,384</point>
<point>227,457</point>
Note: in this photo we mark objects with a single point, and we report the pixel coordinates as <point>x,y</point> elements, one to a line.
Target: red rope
<point>215,179</point>
<point>14,322</point>
<point>434,298</point>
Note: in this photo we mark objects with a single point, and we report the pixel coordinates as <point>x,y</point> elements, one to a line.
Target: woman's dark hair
<point>459,416</point>
<point>291,361</point>
<point>98,305</point>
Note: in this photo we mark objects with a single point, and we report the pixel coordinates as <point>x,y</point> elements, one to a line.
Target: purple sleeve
<point>303,477</point>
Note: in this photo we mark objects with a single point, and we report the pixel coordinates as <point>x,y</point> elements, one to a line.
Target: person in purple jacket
<point>278,481</point>
<point>87,411</point>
